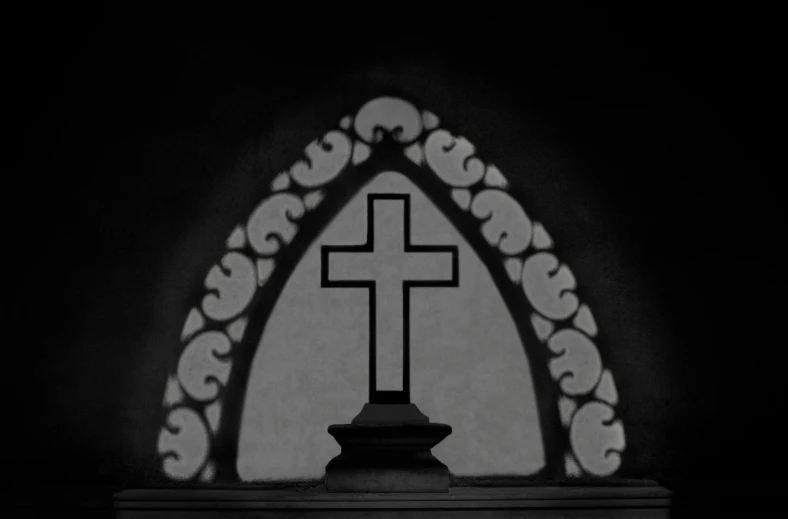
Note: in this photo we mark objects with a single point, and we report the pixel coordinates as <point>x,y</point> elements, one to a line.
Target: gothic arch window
<point>389,144</point>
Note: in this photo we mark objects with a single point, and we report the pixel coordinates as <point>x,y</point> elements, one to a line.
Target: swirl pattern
<point>193,396</point>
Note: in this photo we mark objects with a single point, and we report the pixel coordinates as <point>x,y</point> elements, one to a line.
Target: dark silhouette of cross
<point>388,266</point>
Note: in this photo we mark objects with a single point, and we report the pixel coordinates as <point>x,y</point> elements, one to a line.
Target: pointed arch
<point>575,393</point>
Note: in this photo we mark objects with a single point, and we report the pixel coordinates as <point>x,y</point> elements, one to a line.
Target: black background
<point>130,118</point>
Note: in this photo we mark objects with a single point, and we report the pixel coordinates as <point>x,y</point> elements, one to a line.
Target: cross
<point>388,266</point>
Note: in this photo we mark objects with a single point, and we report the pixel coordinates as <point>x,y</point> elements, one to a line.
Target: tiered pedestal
<point>387,448</point>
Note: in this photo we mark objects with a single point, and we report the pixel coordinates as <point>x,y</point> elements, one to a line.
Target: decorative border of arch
<point>204,394</point>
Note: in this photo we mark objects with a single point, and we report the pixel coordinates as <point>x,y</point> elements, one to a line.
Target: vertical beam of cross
<point>388,266</point>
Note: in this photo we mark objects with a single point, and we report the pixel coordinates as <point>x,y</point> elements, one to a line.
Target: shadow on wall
<point>576,394</point>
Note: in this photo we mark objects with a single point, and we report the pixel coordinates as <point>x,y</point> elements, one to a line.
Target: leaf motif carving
<point>327,157</point>
<point>199,370</point>
<point>506,225</point>
<point>235,287</point>
<point>186,449</point>
<point>451,158</point>
<point>597,439</point>
<point>272,222</point>
<point>578,366</point>
<point>388,114</point>
<point>548,286</point>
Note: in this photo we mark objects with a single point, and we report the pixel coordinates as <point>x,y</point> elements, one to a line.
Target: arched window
<point>509,359</point>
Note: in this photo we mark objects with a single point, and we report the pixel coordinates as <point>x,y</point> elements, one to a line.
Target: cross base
<point>412,474</point>
<point>390,414</point>
<point>388,455</point>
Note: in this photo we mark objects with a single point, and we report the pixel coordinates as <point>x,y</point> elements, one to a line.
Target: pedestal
<point>386,448</point>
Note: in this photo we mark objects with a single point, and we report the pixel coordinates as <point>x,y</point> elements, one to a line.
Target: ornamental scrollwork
<point>214,327</point>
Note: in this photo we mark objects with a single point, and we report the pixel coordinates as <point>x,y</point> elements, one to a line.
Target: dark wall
<point>643,137</point>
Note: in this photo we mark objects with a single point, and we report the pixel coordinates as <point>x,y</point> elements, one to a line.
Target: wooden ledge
<point>654,500</point>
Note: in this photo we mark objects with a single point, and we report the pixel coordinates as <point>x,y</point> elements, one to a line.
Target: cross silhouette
<point>388,266</point>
